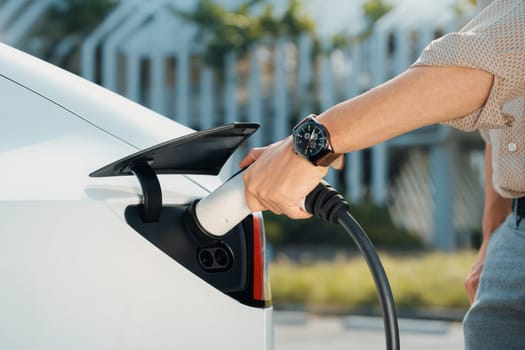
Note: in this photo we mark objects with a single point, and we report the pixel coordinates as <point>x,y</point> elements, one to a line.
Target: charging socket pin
<point>215,259</point>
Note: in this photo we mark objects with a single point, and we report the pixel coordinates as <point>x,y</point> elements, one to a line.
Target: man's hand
<point>472,279</point>
<point>279,180</point>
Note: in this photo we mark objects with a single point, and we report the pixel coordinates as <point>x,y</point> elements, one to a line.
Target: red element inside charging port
<point>259,271</point>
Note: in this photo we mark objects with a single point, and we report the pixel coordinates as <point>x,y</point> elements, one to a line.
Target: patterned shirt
<point>493,41</point>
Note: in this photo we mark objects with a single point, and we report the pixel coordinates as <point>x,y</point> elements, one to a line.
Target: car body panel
<point>73,273</point>
<point>76,277</point>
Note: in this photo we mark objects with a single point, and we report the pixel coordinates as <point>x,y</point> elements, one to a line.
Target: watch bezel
<point>313,158</point>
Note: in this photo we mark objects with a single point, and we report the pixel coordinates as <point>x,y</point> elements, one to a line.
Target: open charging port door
<point>199,153</point>
<point>227,263</point>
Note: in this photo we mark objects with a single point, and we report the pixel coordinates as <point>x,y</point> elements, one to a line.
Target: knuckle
<point>253,204</point>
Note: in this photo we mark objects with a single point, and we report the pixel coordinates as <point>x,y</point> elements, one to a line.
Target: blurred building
<point>431,179</point>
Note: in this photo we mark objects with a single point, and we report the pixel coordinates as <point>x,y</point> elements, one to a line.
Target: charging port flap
<point>203,153</point>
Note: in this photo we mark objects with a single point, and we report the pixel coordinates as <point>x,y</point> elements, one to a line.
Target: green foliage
<point>373,10</point>
<point>70,21</point>
<point>340,41</point>
<point>68,17</point>
<point>223,31</point>
<point>432,280</point>
<point>462,6</point>
<point>321,285</point>
<point>294,21</point>
<point>375,220</point>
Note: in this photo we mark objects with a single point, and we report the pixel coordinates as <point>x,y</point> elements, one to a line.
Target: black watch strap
<point>327,159</point>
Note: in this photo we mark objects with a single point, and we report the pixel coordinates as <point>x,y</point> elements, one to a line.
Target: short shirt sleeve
<point>493,41</point>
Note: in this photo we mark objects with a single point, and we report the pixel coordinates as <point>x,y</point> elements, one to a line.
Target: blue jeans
<point>496,319</point>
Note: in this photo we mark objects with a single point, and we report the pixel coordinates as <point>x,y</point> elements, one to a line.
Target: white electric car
<point>95,248</point>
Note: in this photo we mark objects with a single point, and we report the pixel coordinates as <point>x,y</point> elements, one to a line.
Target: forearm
<point>419,97</point>
<point>495,211</point>
<point>496,208</point>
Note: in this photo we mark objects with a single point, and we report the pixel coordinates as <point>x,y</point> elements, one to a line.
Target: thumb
<point>296,213</point>
<point>252,156</point>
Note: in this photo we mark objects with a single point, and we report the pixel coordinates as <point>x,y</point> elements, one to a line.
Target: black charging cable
<point>325,202</point>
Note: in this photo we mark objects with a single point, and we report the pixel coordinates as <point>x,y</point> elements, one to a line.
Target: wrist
<point>491,222</point>
<point>331,127</point>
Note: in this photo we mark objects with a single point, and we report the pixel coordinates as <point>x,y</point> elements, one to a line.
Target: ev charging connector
<point>224,208</point>
<point>215,215</point>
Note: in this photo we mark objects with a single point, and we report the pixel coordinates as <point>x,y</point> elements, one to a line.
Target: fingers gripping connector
<point>325,202</point>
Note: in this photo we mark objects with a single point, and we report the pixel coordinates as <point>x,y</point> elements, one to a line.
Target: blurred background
<point>208,62</point>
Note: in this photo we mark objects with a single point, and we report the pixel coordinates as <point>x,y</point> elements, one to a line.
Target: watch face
<point>310,139</point>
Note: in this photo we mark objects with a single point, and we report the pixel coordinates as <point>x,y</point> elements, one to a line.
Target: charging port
<point>215,259</point>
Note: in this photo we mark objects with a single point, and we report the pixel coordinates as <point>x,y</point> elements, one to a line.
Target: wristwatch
<point>311,141</point>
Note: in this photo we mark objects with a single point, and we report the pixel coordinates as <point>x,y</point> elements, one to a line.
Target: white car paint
<point>73,274</point>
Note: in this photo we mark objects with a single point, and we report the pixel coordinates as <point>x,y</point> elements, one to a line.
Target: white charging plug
<point>224,208</point>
